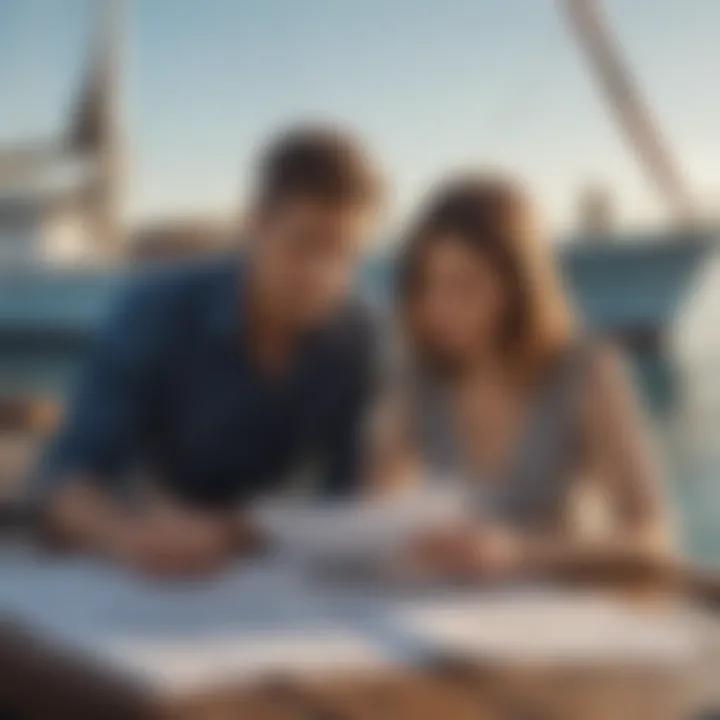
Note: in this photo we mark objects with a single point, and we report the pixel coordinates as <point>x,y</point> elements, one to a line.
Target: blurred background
<point>128,128</point>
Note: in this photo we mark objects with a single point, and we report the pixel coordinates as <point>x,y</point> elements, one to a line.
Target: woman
<point>504,394</point>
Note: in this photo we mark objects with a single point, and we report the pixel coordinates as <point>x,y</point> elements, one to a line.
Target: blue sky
<point>432,84</point>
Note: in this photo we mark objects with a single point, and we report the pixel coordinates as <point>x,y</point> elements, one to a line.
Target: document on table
<point>255,619</point>
<point>276,615</point>
<point>370,530</point>
<point>548,625</point>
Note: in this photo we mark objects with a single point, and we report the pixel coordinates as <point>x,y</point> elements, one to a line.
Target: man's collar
<point>227,315</point>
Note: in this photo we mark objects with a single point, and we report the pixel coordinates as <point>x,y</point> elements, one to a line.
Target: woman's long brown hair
<point>496,219</point>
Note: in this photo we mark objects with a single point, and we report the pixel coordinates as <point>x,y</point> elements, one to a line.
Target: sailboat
<point>63,254</point>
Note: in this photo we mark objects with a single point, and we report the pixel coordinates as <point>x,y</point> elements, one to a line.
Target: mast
<point>95,132</point>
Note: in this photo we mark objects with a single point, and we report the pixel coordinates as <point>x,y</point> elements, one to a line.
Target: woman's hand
<point>471,552</point>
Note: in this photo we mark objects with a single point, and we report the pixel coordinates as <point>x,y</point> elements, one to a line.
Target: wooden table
<point>436,694</point>
<point>48,682</point>
<point>136,652</point>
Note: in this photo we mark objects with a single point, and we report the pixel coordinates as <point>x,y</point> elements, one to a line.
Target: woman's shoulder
<point>587,369</point>
<point>605,359</point>
<point>603,373</point>
<point>595,356</point>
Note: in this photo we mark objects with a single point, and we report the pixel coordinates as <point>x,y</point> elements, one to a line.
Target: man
<point>218,383</point>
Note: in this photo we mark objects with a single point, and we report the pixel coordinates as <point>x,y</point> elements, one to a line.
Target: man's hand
<point>471,552</point>
<point>163,540</point>
<point>171,544</point>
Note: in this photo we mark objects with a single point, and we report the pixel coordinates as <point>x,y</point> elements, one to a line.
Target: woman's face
<point>457,304</point>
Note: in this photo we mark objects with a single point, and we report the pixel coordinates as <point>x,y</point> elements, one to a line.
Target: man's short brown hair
<point>319,162</point>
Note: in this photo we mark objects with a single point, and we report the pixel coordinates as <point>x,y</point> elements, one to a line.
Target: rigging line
<point>623,92</point>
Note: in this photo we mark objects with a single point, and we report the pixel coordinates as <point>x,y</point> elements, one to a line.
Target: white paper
<point>256,618</point>
<point>368,530</point>
<point>270,616</point>
<point>553,626</point>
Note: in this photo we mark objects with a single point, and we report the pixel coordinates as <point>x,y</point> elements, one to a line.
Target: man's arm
<point>78,490</point>
<point>102,434</point>
<point>361,377</point>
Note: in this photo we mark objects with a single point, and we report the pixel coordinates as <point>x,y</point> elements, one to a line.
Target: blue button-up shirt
<point>170,387</point>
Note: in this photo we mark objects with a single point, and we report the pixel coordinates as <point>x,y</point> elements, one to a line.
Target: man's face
<point>305,255</point>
